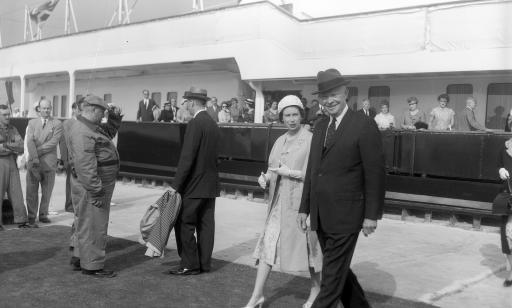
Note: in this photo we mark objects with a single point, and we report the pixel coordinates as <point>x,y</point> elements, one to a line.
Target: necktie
<point>329,137</point>
<point>44,123</point>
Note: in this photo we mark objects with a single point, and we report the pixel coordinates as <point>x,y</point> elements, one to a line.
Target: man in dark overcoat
<point>343,189</point>
<point>197,180</point>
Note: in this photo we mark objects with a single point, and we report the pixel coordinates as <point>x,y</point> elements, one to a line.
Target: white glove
<point>504,174</point>
<point>283,170</point>
<point>262,180</point>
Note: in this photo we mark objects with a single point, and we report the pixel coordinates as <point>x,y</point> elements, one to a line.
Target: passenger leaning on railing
<point>505,167</point>
<point>384,119</point>
<point>413,115</point>
<point>442,117</point>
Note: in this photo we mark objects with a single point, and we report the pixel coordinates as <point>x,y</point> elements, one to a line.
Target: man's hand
<point>97,203</point>
<point>301,221</point>
<point>369,226</point>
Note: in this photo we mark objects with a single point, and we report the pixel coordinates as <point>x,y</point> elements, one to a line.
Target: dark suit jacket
<point>344,183</point>
<point>214,113</point>
<point>197,175</point>
<point>146,114</point>
<point>466,121</point>
<point>371,111</point>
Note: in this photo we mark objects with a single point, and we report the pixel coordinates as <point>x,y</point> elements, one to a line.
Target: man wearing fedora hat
<point>343,189</point>
<point>197,181</point>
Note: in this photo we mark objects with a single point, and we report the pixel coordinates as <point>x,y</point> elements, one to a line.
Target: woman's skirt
<point>268,246</point>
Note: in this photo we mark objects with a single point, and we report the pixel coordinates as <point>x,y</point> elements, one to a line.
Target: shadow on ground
<point>34,272</point>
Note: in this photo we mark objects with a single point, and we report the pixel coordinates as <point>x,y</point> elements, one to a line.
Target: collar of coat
<point>92,126</point>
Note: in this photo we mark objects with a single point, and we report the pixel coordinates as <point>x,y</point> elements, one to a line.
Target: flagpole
<point>66,19</point>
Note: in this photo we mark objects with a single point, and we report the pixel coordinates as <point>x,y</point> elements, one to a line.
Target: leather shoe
<point>184,271</point>
<point>75,263</point>
<point>99,273</point>
<point>44,220</point>
<point>507,283</point>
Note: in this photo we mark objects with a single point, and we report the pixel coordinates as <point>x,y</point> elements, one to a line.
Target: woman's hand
<point>504,174</point>
<point>262,180</point>
<point>283,170</point>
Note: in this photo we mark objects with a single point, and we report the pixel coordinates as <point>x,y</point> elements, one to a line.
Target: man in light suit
<point>343,189</point>
<point>43,136</point>
<point>146,106</point>
<point>197,180</point>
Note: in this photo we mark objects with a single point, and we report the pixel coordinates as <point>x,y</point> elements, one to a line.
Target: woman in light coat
<point>281,241</point>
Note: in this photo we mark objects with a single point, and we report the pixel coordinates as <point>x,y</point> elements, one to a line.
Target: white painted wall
<point>127,91</point>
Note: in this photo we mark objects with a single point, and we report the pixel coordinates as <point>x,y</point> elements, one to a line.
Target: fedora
<point>196,93</point>
<point>328,80</point>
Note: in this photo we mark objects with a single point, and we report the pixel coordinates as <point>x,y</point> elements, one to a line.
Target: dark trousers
<point>196,215</point>
<point>68,206</point>
<point>338,280</point>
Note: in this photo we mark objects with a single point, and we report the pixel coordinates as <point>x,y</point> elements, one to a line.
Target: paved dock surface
<point>427,262</point>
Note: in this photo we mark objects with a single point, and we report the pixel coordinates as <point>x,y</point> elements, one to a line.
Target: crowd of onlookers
<point>232,111</point>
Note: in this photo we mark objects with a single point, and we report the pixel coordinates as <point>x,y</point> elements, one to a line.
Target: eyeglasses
<point>224,106</point>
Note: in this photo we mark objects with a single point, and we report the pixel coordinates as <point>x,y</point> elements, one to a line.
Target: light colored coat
<point>42,142</point>
<point>293,249</point>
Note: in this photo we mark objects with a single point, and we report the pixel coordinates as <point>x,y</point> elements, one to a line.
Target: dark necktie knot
<point>44,123</point>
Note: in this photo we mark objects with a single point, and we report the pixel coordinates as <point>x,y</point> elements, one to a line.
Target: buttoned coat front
<point>42,142</point>
<point>293,244</point>
<point>345,182</point>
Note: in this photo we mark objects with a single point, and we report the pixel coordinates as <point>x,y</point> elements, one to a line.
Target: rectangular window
<point>499,103</point>
<point>377,95</point>
<point>157,97</point>
<point>64,106</point>
<point>78,97</point>
<point>171,95</point>
<point>55,106</point>
<point>352,97</point>
<point>458,94</point>
<point>107,98</point>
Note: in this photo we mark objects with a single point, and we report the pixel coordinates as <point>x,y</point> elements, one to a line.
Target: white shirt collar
<point>340,117</point>
<point>199,111</point>
<point>43,119</point>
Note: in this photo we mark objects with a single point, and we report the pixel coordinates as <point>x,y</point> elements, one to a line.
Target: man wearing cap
<point>196,179</point>
<point>248,113</point>
<point>95,164</point>
<point>43,136</point>
<point>343,189</point>
<point>11,145</point>
<point>166,115</point>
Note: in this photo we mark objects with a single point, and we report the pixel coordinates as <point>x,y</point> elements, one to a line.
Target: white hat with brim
<point>287,101</point>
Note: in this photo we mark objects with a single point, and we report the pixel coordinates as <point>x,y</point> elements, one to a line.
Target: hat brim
<point>343,83</point>
<point>201,97</point>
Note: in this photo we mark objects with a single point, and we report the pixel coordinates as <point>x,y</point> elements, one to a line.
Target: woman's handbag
<point>502,202</point>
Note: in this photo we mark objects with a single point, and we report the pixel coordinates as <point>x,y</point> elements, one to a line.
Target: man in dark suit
<point>197,181</point>
<point>366,109</point>
<point>343,189</point>
<point>466,120</point>
<point>214,109</point>
<point>146,105</point>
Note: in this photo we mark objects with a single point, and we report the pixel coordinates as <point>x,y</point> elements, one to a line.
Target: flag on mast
<point>42,12</point>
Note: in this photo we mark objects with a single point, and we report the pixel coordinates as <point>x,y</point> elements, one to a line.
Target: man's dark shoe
<point>32,225</point>
<point>2,228</point>
<point>75,263</point>
<point>99,273</point>
<point>181,271</point>
<point>44,220</point>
